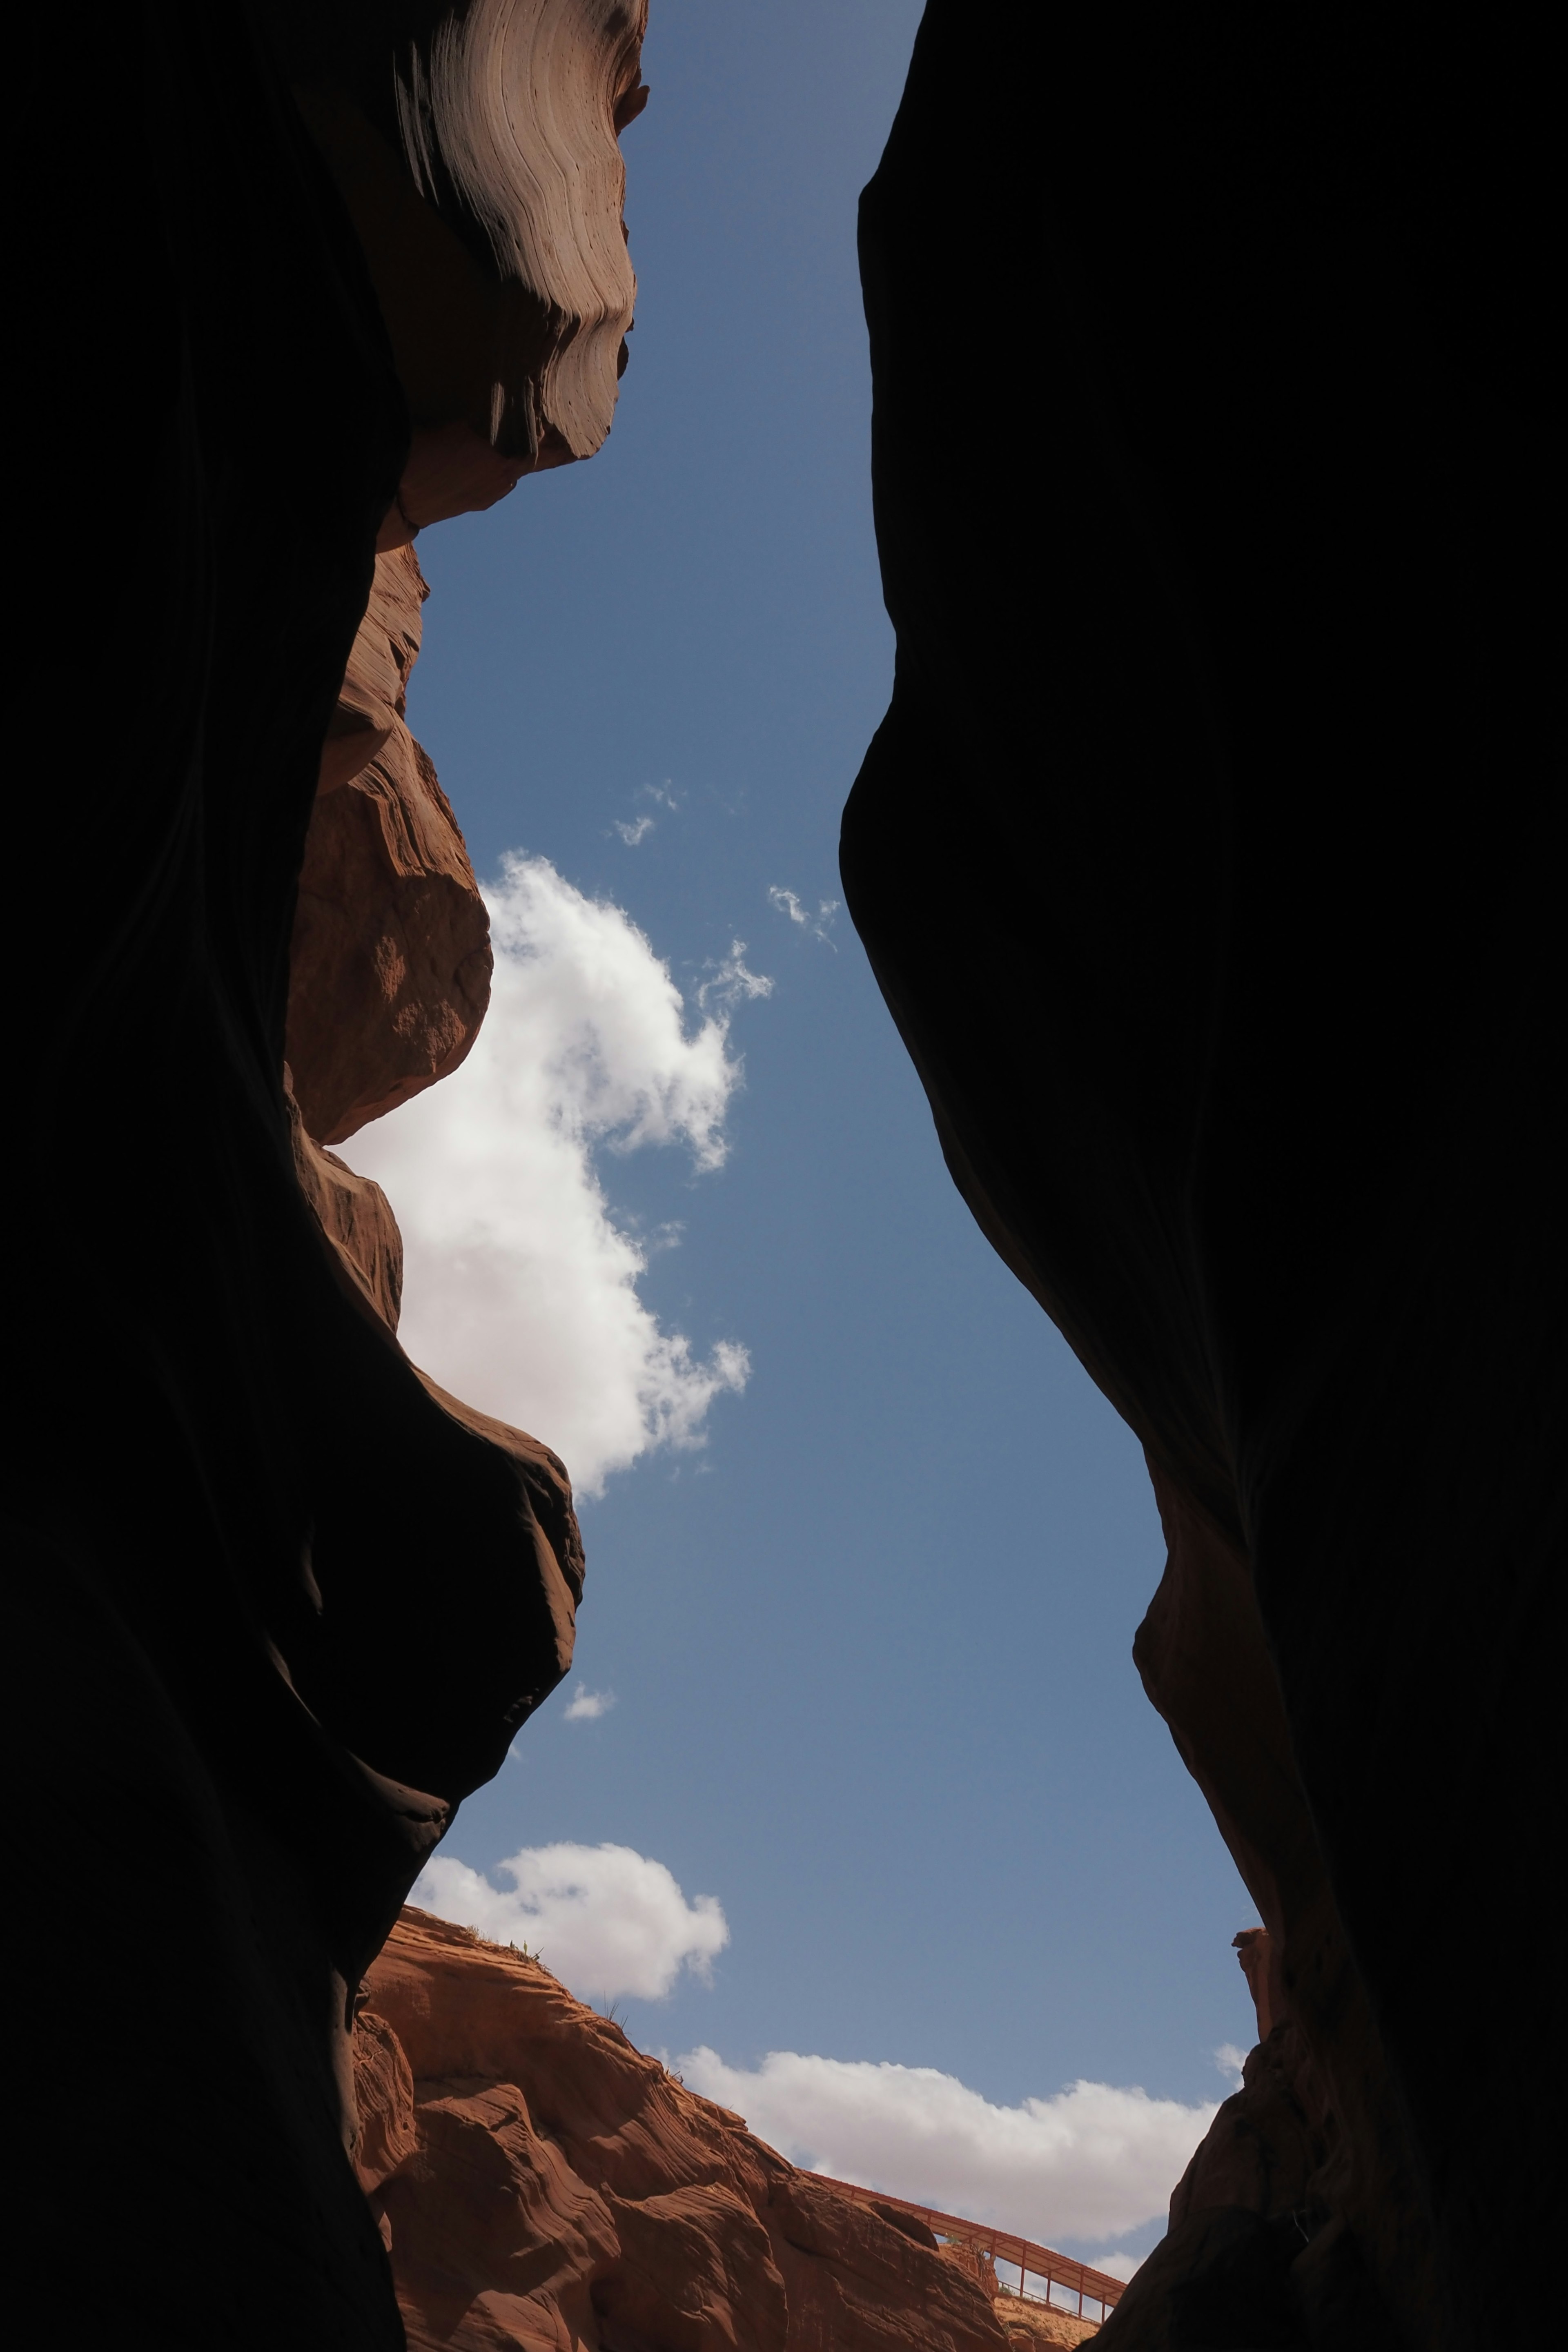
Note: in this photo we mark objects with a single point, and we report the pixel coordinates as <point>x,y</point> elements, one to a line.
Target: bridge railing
<point>1033,2261</point>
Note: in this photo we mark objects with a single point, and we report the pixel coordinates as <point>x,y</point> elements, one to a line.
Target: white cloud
<point>635,829</point>
<point>731,983</point>
<point>1230,2060</point>
<point>605,1919</point>
<point>1119,2266</point>
<point>785,902</point>
<point>519,1288</point>
<point>1093,2162</point>
<point>588,1705</point>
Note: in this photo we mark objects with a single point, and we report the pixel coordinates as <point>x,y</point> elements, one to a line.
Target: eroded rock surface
<point>542,2184</point>
<point>390,962</point>
<point>476,146</point>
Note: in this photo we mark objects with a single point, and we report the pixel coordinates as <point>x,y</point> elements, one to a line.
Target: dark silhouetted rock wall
<point>1202,858</point>
<point>279,1604</point>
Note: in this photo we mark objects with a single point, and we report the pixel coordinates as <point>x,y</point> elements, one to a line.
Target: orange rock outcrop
<point>543,2185</point>
<point>390,966</point>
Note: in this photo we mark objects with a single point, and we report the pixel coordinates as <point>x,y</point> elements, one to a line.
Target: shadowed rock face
<point>542,2184</point>
<point>1201,859</point>
<point>279,1605</point>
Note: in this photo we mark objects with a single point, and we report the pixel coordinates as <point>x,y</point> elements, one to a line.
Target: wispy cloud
<point>785,902</point>
<point>1093,2162</point>
<point>633,830</point>
<point>588,1705</point>
<point>605,1919</point>
<point>1230,2060</point>
<point>520,1286</point>
<point>731,983</point>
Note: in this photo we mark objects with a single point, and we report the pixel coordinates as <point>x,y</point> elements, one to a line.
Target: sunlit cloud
<point>521,1287</point>
<point>588,1705</point>
<point>604,1918</point>
<point>1093,2162</point>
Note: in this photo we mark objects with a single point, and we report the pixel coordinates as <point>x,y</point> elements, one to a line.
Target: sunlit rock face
<point>287,1604</point>
<point>476,147</point>
<point>1234,1045</point>
<point>541,2183</point>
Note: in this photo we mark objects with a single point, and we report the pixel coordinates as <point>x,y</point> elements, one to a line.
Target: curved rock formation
<point>280,1604</point>
<point>1201,859</point>
<point>542,2184</point>
<point>1258,2241</point>
<point>476,147</point>
<point>390,962</point>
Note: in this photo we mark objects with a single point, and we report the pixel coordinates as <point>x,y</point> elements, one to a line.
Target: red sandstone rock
<point>360,1230</point>
<point>511,116</point>
<point>1027,2326</point>
<point>355,1216</point>
<point>390,967</point>
<point>556,2189</point>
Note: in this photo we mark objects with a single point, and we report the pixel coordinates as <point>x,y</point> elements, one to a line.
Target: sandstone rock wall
<point>542,2184</point>
<point>476,148</point>
<point>282,1605</point>
<point>1234,1042</point>
<point>390,961</point>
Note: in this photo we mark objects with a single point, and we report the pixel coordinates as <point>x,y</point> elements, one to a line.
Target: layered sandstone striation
<point>480,164</point>
<point>540,2184</point>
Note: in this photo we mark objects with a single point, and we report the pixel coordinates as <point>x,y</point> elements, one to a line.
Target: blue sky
<point>868,1641</point>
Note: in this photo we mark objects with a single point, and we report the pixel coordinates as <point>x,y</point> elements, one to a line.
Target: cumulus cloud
<point>785,902</point>
<point>588,1705</point>
<point>634,829</point>
<point>1093,2162</point>
<point>604,1918</point>
<point>519,1287</point>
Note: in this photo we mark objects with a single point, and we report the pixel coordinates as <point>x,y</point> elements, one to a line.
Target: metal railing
<point>1033,2261</point>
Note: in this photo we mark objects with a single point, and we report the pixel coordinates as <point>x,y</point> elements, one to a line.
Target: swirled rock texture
<point>286,1605</point>
<point>542,2184</point>
<point>1217,607</point>
<point>476,148</point>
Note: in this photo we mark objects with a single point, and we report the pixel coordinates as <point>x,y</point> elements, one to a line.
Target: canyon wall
<point>1201,860</point>
<point>542,2184</point>
<point>287,293</point>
